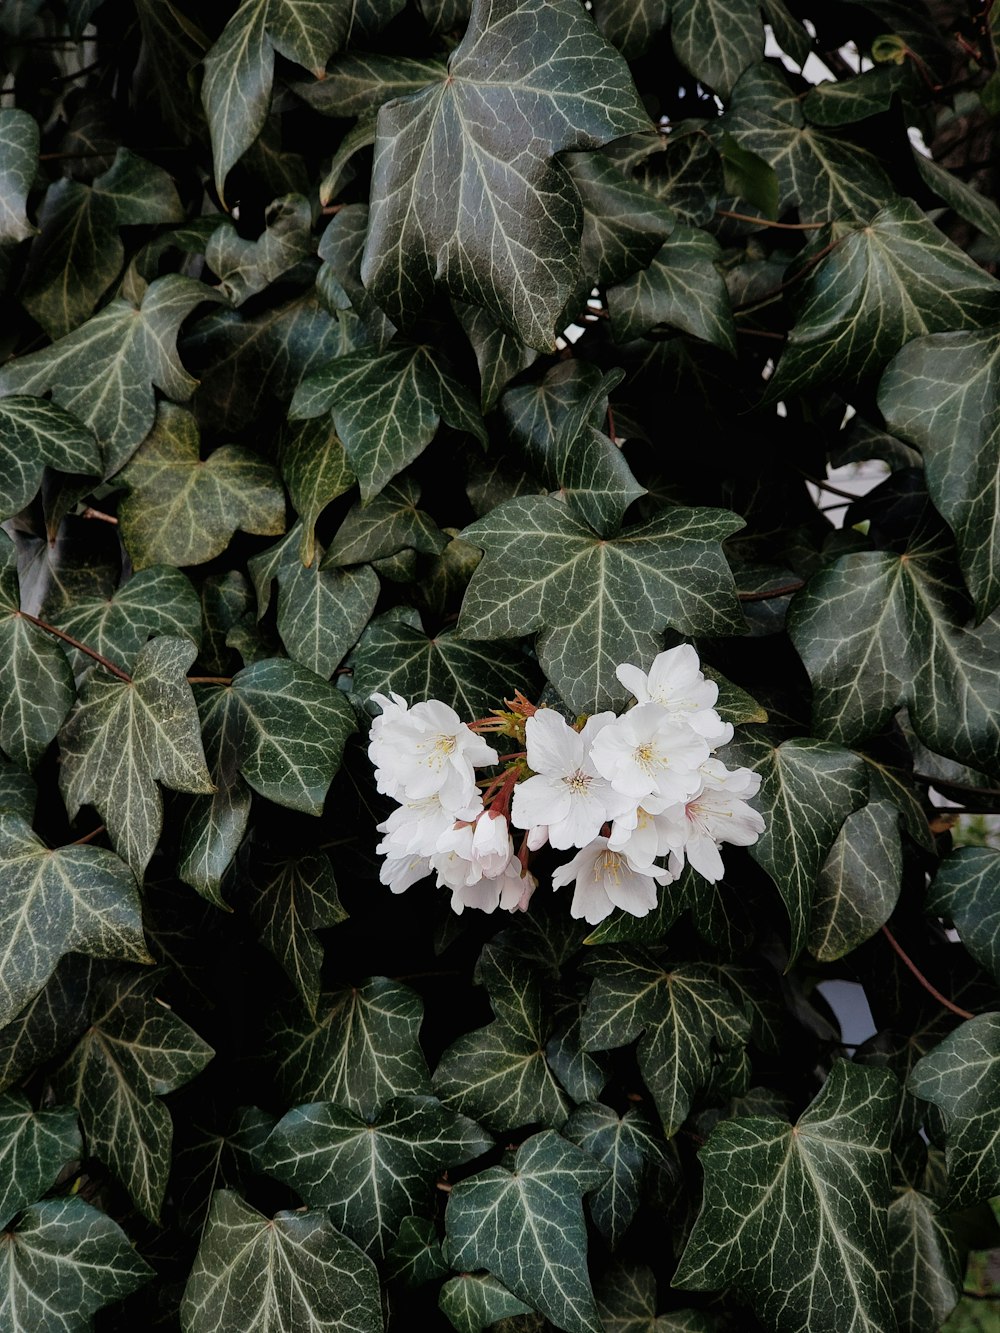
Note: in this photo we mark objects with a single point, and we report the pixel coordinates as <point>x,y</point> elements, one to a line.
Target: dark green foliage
<point>455,348</point>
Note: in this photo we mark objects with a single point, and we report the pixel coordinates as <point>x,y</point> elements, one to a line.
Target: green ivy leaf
<point>691,1029</point>
<point>926,1270</point>
<point>370,1174</point>
<point>125,736</point>
<point>495,218</point>
<point>183,510</point>
<point>361,81</point>
<point>808,789</point>
<point>283,729</point>
<point>34,1148</point>
<point>624,224</point>
<point>104,371</point>
<point>859,882</point>
<point>17,791</point>
<point>36,683</point>
<point>244,267</point>
<point>827,178</point>
<point>499,355</point>
<point>415,1256</point>
<point>321,612</point>
<point>717,39</point>
<point>397,657</point>
<point>64,1261</point>
<point>239,69</point>
<point>74,899</point>
<point>881,285</point>
<point>18,164</point>
<point>276,728</point>
<point>499,1074</point>
<point>559,425</point>
<point>390,523</point>
<point>960,195</point>
<point>156,601</point>
<point>245,361</point>
<point>809,1253</point>
<point>961,1076</point>
<point>942,394</point>
<point>361,1049</point>
<point>134,1050</point>
<point>845,101</point>
<point>315,470</point>
<point>966,890</point>
<point>387,406</point>
<point>595,602</point>
<point>626,1301</point>
<point>625,1145</point>
<point>526,1228</point>
<point>278,1275</point>
<point>474,1301</point>
<point>682,288</point>
<point>290,898</point>
<point>50,1023</point>
<point>340,248</point>
<point>35,434</point>
<point>79,253</point>
<point>631,24</point>
<point>900,639</point>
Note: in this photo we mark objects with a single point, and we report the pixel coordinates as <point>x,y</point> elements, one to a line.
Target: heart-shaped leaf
<point>466,186</point>
<point>594,602</point>
<point>278,1275</point>
<point>526,1228</point>
<point>807,1253</point>
<point>370,1174</point>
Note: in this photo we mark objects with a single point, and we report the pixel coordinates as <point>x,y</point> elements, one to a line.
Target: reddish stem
<point>80,647</point>
<point>931,990</point>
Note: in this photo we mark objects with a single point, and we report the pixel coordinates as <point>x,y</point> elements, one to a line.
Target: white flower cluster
<point>638,795</point>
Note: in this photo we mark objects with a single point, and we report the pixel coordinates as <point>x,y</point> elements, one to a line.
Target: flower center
<point>608,866</point>
<point>578,782</point>
<point>646,757</point>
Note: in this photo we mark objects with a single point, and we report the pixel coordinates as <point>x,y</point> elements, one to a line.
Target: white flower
<point>716,815</point>
<point>466,853</point>
<point>566,793</point>
<point>606,879</point>
<point>647,752</point>
<point>510,890</point>
<point>415,827</point>
<point>426,750</point>
<point>638,834</point>
<point>399,872</point>
<point>675,682</point>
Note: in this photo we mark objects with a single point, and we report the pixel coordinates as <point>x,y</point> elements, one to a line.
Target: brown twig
<point>99,514</point>
<point>210,680</point>
<point>931,990</point>
<point>811,262</point>
<point>80,647</point>
<point>765,222</point>
<point>88,837</point>
<point>785,590</point>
